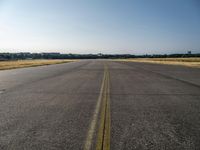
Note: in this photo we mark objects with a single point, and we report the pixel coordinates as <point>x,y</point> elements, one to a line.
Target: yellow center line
<point>106,142</point>
<point>102,107</point>
<point>103,139</point>
<point>93,123</point>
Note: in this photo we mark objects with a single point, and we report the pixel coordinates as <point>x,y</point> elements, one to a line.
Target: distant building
<point>99,54</point>
<point>53,53</point>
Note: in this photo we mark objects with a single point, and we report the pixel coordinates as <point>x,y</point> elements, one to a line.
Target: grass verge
<point>189,62</point>
<point>4,65</point>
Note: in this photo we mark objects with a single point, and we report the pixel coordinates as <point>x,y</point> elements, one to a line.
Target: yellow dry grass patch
<point>190,62</point>
<point>31,63</point>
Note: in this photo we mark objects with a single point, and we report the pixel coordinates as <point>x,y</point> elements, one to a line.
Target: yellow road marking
<point>90,134</point>
<point>103,139</point>
<point>102,107</point>
<point>106,143</point>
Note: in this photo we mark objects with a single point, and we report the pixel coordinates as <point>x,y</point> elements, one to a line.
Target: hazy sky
<point>106,26</point>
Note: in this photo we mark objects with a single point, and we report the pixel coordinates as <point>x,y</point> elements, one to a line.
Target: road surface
<point>100,104</point>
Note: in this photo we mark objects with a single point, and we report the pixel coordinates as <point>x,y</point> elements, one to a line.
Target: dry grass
<point>30,63</point>
<point>190,62</point>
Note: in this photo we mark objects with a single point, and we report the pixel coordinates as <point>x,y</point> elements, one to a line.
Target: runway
<point>100,104</point>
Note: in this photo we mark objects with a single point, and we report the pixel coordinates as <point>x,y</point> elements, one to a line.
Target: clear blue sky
<point>106,26</point>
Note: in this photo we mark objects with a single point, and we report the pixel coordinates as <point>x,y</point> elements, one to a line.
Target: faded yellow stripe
<point>102,108</point>
<point>103,139</point>
<point>106,143</point>
<point>100,138</point>
<point>93,123</point>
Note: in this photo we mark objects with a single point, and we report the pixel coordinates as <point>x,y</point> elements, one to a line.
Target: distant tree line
<point>18,56</point>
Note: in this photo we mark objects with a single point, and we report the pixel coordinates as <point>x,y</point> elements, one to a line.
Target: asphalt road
<point>147,106</point>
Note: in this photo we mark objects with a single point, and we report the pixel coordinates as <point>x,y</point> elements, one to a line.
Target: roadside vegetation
<point>26,59</point>
<point>12,64</point>
<point>20,56</point>
<point>190,62</point>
